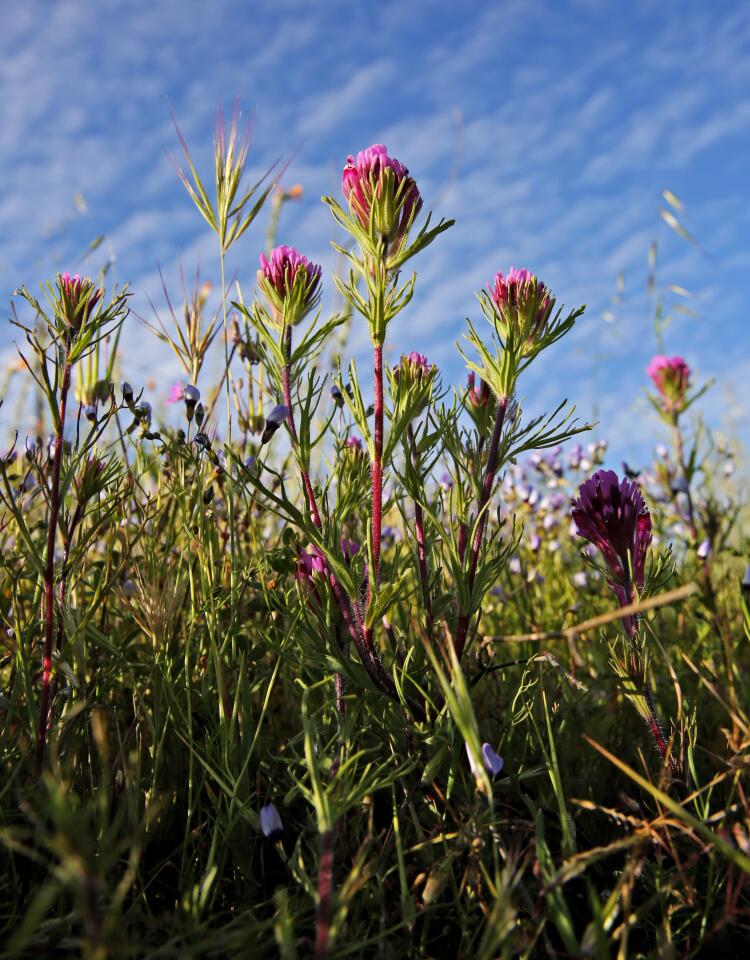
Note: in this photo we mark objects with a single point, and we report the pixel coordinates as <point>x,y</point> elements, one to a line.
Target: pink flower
<point>310,561</point>
<point>176,393</point>
<point>477,397</point>
<point>523,304</point>
<point>354,444</point>
<point>671,377</point>
<point>290,281</point>
<point>381,194</point>
<point>78,297</point>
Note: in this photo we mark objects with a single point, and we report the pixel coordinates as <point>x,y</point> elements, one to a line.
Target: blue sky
<point>547,129</point>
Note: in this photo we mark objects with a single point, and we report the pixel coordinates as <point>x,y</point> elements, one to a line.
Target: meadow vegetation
<point>352,661</point>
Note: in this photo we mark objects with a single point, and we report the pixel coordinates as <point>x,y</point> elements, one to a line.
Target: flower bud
<point>77,298</point>
<point>274,420</point>
<point>270,822</point>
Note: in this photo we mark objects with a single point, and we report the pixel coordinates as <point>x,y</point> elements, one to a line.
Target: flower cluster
<point>77,298</point>
<point>611,514</point>
<point>523,306</point>
<point>671,377</point>
<point>290,282</point>
<point>381,195</point>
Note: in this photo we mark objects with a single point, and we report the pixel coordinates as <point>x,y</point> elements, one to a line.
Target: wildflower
<point>143,412</point>
<point>671,377</point>
<point>574,458</point>
<point>199,413</point>
<point>176,393</point>
<point>274,420</point>
<point>480,397</point>
<point>381,195</point>
<point>290,282</point>
<point>612,515</point>
<point>90,412</point>
<point>446,481</point>
<point>514,565</point>
<point>191,395</point>
<point>127,393</point>
<point>493,762</point>
<point>270,822</point>
<point>704,549</point>
<point>535,542</point>
<point>310,561</point>
<point>580,579</point>
<point>337,396</point>
<point>498,592</point>
<point>354,445</point>
<point>78,297</point>
<point>523,306</point>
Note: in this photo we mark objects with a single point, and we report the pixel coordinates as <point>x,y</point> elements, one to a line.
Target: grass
<point>213,647</point>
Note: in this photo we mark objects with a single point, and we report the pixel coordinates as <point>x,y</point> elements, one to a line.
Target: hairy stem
<point>325,893</point>
<point>489,480</point>
<point>377,464</point>
<point>421,543</point>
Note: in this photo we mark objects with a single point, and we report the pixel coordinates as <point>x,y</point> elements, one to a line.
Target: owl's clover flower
<point>290,283</point>
<point>671,377</point>
<point>381,194</point>
<point>612,515</point>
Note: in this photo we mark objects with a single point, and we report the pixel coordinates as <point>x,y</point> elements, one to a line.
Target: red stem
<point>489,479</point>
<point>49,573</point>
<point>377,465</point>
<point>421,544</point>
<point>350,613</point>
<point>325,891</point>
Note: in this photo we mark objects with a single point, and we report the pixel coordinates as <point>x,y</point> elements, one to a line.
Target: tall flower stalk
<point>522,312</point>
<point>229,215</point>
<point>612,514</point>
<point>76,323</point>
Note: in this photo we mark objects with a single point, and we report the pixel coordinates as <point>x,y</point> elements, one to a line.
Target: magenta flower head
<point>612,515</point>
<point>77,298</point>
<point>354,446</point>
<point>176,393</point>
<point>522,308</point>
<point>414,376</point>
<point>671,376</point>
<point>290,283</point>
<point>310,561</point>
<point>381,195</point>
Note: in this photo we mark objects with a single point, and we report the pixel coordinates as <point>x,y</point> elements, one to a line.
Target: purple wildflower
<point>612,515</point>
<point>270,822</point>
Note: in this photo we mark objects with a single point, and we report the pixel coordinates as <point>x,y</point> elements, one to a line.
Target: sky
<point>548,130</point>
